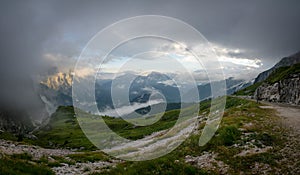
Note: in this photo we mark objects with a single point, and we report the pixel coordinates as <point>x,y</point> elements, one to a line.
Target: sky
<point>248,36</point>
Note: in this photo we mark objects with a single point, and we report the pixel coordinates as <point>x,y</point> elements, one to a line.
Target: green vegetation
<point>89,157</point>
<point>24,156</point>
<point>277,75</point>
<point>8,136</point>
<point>63,131</point>
<point>244,116</point>
<point>283,72</point>
<point>241,117</point>
<point>132,132</point>
<point>20,165</point>
<point>239,113</point>
<point>248,90</point>
<point>163,165</point>
<point>228,135</point>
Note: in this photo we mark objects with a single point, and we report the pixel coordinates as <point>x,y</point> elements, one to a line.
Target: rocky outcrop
<point>286,61</point>
<point>15,122</point>
<point>59,81</point>
<point>56,90</point>
<point>286,90</point>
<point>68,166</point>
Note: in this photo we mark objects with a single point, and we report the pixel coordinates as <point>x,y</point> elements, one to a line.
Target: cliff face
<point>286,90</point>
<point>56,91</point>
<point>16,122</point>
<point>59,82</point>
<point>286,61</point>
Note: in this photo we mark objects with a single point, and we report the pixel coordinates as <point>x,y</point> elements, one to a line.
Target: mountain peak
<point>59,80</point>
<point>286,61</point>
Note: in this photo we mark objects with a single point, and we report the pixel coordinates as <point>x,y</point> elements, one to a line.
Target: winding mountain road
<point>290,121</point>
<point>290,114</point>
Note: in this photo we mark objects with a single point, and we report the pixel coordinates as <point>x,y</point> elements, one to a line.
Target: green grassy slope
<point>282,73</point>
<point>239,113</point>
<point>22,164</point>
<point>64,131</point>
<point>277,75</point>
<point>248,90</point>
<point>243,122</point>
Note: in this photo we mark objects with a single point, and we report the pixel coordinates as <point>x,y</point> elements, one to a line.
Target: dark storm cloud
<point>29,29</point>
<point>22,35</point>
<point>265,29</point>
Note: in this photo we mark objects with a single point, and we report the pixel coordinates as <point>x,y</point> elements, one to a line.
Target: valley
<point>250,139</point>
<point>259,132</point>
<point>140,87</point>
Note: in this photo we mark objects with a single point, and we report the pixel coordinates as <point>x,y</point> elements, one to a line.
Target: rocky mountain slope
<point>56,90</point>
<point>286,61</point>
<point>283,85</point>
<point>250,140</point>
<point>16,122</point>
<point>278,84</point>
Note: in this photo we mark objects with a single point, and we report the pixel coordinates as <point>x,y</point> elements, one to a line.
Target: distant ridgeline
<point>56,90</point>
<point>281,83</point>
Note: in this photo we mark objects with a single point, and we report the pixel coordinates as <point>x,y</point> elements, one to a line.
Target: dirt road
<point>290,121</point>
<point>290,114</point>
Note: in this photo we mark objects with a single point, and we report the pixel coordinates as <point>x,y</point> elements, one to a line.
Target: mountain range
<point>286,61</point>
<point>56,90</point>
<point>282,86</point>
<point>281,83</point>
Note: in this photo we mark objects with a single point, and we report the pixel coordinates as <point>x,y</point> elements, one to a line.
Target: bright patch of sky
<point>232,60</point>
<point>161,55</point>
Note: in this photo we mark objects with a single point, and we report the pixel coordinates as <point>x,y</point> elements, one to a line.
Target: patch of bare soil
<point>290,120</point>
